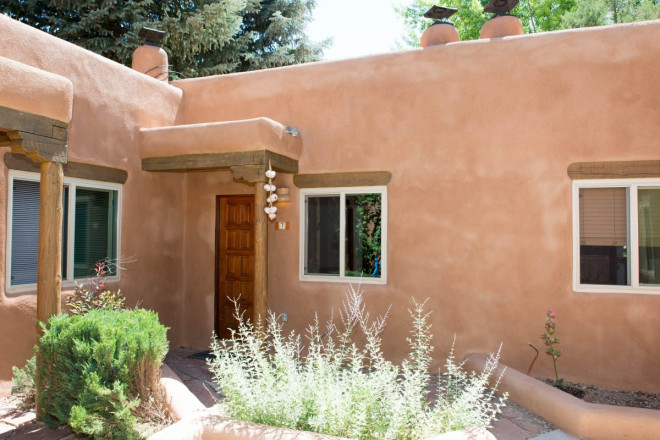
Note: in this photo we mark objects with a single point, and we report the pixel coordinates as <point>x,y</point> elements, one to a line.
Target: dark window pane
<point>322,249</point>
<point>95,230</point>
<point>65,228</point>
<point>363,235</point>
<point>649,236</point>
<point>604,236</point>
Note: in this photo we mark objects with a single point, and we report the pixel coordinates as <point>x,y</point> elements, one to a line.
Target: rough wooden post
<point>260,304</point>
<point>49,263</point>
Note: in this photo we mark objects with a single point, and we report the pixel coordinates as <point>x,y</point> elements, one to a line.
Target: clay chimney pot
<point>150,58</point>
<point>439,33</point>
<point>501,26</point>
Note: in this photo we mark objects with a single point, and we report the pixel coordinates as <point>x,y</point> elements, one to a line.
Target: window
<point>616,230</point>
<point>343,236</point>
<point>90,228</point>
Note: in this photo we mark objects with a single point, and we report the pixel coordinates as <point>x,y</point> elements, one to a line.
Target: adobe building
<point>497,178</point>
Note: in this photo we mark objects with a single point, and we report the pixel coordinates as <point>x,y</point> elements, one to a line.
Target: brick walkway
<point>18,424</point>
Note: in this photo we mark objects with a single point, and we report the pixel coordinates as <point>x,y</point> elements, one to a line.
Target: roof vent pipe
<point>150,58</point>
<point>502,24</point>
<point>442,31</point>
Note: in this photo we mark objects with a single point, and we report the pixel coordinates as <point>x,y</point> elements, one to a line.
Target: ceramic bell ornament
<point>270,210</point>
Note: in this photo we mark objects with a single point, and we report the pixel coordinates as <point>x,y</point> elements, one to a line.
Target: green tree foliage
<point>367,230</point>
<point>603,12</point>
<point>536,15</point>
<point>204,37</point>
<point>272,34</point>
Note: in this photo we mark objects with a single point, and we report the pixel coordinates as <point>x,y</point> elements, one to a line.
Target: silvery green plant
<point>326,382</point>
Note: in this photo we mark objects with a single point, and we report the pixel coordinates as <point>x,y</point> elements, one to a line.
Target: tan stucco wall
<point>478,137</point>
<point>110,104</point>
<point>32,90</point>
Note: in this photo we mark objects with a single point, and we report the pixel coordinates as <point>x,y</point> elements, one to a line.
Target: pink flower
<point>551,314</point>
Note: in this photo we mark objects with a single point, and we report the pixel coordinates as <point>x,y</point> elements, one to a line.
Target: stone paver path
<point>515,423</point>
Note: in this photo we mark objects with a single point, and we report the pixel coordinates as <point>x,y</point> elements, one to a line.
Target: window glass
<point>65,230</point>
<point>322,249</point>
<point>95,230</point>
<point>648,200</point>
<point>363,235</point>
<point>604,236</point>
<point>344,234</point>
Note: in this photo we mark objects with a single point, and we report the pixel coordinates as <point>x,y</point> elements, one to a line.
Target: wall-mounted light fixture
<point>283,195</point>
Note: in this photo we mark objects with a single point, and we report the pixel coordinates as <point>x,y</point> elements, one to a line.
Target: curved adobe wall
<point>478,137</point>
<point>110,104</point>
<point>34,91</point>
<point>582,419</point>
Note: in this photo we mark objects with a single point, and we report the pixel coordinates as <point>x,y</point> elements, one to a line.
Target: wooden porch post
<point>43,140</point>
<point>49,263</point>
<point>260,304</point>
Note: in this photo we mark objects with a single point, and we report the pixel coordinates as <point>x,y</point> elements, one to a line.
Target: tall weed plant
<point>325,382</point>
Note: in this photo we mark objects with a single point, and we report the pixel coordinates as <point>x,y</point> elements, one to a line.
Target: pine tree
<point>272,34</point>
<point>204,37</point>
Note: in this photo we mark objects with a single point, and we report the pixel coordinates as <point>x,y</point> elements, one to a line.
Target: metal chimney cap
<point>500,6</point>
<point>440,12</point>
<point>152,37</point>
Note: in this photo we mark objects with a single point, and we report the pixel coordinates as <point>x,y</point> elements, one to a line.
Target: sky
<point>359,27</point>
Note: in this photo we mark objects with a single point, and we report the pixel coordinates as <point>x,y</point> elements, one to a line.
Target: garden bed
<point>594,394</point>
<point>570,414</point>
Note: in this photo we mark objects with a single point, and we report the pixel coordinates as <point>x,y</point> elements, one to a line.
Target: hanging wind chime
<point>272,197</point>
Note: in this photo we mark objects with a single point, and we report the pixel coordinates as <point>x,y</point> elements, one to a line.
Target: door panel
<point>235,260</point>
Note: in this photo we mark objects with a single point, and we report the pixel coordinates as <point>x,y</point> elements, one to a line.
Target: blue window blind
<point>25,232</point>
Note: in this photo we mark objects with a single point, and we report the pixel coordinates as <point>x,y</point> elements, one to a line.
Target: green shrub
<point>338,387</point>
<point>97,370</point>
<point>24,386</point>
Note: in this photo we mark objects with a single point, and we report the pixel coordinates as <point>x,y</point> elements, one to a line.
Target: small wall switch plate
<point>282,225</point>
<point>285,317</point>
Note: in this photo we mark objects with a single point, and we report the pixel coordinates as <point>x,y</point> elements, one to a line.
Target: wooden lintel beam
<point>281,163</point>
<point>20,162</point>
<point>614,170</point>
<point>338,180</point>
<point>209,161</point>
<point>38,148</point>
<point>204,161</point>
<point>249,173</point>
<point>16,120</point>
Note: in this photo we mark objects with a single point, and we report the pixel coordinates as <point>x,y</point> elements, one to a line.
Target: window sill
<point>626,290</point>
<point>66,285</point>
<point>337,279</point>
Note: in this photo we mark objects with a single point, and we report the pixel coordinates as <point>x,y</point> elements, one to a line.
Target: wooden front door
<point>234,260</point>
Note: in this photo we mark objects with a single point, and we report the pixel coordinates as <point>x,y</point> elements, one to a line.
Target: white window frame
<point>68,280</point>
<point>633,238</point>
<point>341,192</point>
